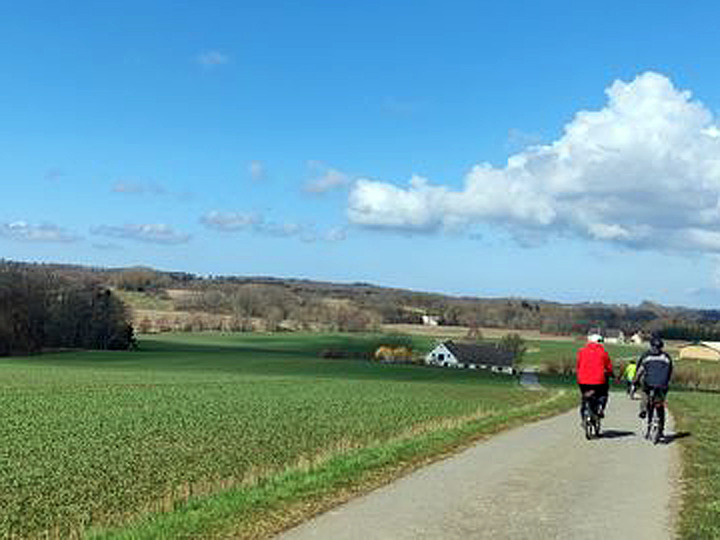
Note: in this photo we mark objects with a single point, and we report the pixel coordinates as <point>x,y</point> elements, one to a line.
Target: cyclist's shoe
<point>642,414</point>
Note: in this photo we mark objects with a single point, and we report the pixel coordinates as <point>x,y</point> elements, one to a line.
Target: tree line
<point>281,303</point>
<point>40,308</point>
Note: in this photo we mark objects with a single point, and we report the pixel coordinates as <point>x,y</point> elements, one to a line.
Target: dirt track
<point>539,481</point>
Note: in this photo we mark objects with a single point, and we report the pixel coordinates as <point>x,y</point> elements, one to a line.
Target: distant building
<point>703,350</point>
<point>638,338</point>
<point>430,320</point>
<point>614,335</point>
<point>471,356</point>
<point>608,335</point>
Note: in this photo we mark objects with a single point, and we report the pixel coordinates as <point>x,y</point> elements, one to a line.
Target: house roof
<point>607,332</point>
<point>479,353</point>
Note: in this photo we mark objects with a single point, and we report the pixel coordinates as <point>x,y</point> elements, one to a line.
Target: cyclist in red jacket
<point>594,370</point>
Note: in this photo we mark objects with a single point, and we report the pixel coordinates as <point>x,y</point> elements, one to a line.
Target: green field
<point>697,416</point>
<point>540,352</point>
<point>237,426</point>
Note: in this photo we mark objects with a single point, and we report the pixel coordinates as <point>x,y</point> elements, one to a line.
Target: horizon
<point>355,284</point>
<point>553,152</point>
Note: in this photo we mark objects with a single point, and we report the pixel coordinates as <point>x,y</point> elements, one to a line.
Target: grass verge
<point>697,418</point>
<point>280,501</point>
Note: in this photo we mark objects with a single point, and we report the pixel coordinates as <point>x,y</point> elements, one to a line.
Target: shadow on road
<point>616,434</point>
<point>672,437</point>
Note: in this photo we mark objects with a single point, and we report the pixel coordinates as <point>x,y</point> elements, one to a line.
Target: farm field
<point>209,434</point>
<point>540,352</point>
<point>459,332</point>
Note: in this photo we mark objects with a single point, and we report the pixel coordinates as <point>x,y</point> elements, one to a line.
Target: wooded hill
<point>42,308</point>
<point>184,301</point>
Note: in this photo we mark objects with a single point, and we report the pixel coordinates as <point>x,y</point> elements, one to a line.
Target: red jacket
<point>593,364</point>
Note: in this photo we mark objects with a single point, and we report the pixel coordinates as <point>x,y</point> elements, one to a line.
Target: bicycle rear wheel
<point>658,424</point>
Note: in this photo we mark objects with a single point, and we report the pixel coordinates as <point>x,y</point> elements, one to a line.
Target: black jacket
<point>654,368</point>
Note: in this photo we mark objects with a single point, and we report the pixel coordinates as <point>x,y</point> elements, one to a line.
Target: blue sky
<point>568,151</point>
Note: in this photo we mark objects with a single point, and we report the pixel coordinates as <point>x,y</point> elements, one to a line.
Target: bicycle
<point>655,415</point>
<point>631,390</point>
<point>591,418</point>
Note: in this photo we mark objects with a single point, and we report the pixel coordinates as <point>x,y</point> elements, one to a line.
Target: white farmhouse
<point>431,320</point>
<point>608,335</point>
<point>470,355</point>
<point>614,335</point>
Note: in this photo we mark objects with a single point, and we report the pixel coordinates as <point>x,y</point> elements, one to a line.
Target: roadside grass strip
<point>231,424</point>
<point>697,415</point>
<point>279,501</point>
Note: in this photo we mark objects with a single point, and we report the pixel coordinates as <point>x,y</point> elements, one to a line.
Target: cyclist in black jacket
<point>653,371</point>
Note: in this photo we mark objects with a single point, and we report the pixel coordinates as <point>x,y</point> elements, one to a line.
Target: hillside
<point>162,300</point>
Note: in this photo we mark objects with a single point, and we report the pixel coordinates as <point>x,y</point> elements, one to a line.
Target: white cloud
<point>644,172</point>
<point>257,170</point>
<point>229,221</point>
<point>336,234</point>
<point>25,232</point>
<point>212,58</point>
<point>281,230</point>
<point>326,180</point>
<point>255,223</point>
<point>155,233</point>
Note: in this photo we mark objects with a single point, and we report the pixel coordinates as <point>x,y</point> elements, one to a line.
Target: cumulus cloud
<point>326,178</point>
<point>257,170</point>
<point>212,58</point>
<point>25,232</point>
<point>155,233</point>
<point>643,172</point>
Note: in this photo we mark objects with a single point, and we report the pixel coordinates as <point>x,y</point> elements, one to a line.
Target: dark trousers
<point>660,394</point>
<point>598,392</point>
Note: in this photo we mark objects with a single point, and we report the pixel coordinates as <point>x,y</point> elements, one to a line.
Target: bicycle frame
<point>591,419</point>
<point>655,417</point>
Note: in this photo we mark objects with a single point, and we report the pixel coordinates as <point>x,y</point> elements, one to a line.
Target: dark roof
<point>480,353</point>
<point>607,332</point>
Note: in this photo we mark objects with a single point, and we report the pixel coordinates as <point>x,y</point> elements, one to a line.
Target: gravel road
<point>542,480</point>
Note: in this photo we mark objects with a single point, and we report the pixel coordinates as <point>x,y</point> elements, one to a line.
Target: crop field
<point>103,441</point>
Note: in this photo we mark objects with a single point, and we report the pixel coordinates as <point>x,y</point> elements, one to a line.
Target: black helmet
<point>656,342</point>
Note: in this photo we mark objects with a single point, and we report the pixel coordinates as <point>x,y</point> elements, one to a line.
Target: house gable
<point>441,356</point>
